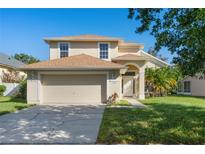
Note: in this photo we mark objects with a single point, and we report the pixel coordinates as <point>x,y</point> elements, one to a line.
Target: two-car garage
<point>73,89</point>
<point>74,80</point>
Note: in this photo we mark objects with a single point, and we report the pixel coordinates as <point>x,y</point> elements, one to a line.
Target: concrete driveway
<point>52,125</point>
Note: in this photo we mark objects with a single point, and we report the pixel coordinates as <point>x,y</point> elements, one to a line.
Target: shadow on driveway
<point>52,125</point>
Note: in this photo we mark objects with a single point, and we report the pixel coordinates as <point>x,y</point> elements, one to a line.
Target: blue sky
<point>23,30</point>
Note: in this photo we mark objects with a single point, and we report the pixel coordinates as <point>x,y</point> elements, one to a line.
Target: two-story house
<point>87,69</point>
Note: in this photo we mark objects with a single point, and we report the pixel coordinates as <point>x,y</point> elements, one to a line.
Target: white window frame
<point>108,50</point>
<point>185,92</point>
<point>59,52</point>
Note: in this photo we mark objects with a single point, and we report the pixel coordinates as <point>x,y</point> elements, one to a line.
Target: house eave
<point>70,69</point>
<point>8,66</point>
<point>155,58</point>
<point>114,60</point>
<point>48,40</point>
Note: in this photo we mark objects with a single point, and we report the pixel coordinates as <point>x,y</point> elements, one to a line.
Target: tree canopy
<point>182,31</point>
<point>27,59</point>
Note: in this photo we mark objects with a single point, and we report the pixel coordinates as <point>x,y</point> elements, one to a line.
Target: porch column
<point>141,84</point>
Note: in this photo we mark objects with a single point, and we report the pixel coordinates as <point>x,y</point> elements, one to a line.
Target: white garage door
<point>74,89</point>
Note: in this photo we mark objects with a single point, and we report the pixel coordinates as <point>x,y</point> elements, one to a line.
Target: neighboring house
<point>194,86</point>
<point>87,69</point>
<point>8,63</point>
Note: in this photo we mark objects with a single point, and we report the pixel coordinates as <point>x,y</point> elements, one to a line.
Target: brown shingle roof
<point>83,38</point>
<point>78,62</point>
<point>129,57</point>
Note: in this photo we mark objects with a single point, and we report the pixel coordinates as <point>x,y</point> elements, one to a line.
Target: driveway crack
<point>34,117</point>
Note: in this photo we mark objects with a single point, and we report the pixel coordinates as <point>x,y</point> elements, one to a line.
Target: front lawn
<point>166,120</point>
<point>9,104</point>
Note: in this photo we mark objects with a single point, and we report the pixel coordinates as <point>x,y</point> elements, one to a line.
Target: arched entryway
<point>130,81</point>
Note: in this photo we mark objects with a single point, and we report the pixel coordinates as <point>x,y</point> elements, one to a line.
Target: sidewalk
<point>134,102</point>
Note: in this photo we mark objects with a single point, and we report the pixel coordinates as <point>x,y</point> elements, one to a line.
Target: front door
<point>128,85</point>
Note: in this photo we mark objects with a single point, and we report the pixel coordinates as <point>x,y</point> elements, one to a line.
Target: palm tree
<point>160,81</point>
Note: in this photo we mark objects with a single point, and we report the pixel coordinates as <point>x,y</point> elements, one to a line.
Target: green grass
<point>121,103</point>
<point>9,104</point>
<point>166,120</point>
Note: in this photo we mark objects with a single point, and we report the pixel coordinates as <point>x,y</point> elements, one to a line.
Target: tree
<point>12,76</point>
<point>161,81</point>
<point>155,53</point>
<point>27,59</point>
<point>180,30</point>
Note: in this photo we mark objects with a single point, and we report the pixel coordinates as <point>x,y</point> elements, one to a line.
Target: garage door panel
<point>74,89</point>
<point>72,79</point>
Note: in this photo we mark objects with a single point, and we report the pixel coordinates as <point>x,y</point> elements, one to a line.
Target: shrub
<point>23,90</point>
<point>112,99</point>
<point>2,89</point>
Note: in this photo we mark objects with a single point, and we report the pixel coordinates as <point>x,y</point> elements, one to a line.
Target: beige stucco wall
<point>89,48</point>
<point>33,90</point>
<point>35,83</point>
<point>114,83</point>
<point>127,49</point>
<point>53,50</point>
<point>197,86</point>
<point>139,64</point>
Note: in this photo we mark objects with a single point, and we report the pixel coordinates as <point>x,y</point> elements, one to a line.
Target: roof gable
<point>153,58</point>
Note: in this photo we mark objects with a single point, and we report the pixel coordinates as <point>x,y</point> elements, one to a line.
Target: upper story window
<point>187,86</point>
<point>64,49</point>
<point>104,47</point>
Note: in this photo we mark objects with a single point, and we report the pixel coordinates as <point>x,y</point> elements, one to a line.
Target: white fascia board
<point>155,58</point>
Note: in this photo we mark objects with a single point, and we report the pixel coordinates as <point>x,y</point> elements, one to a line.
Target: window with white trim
<point>187,86</point>
<point>104,47</point>
<point>64,49</point>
